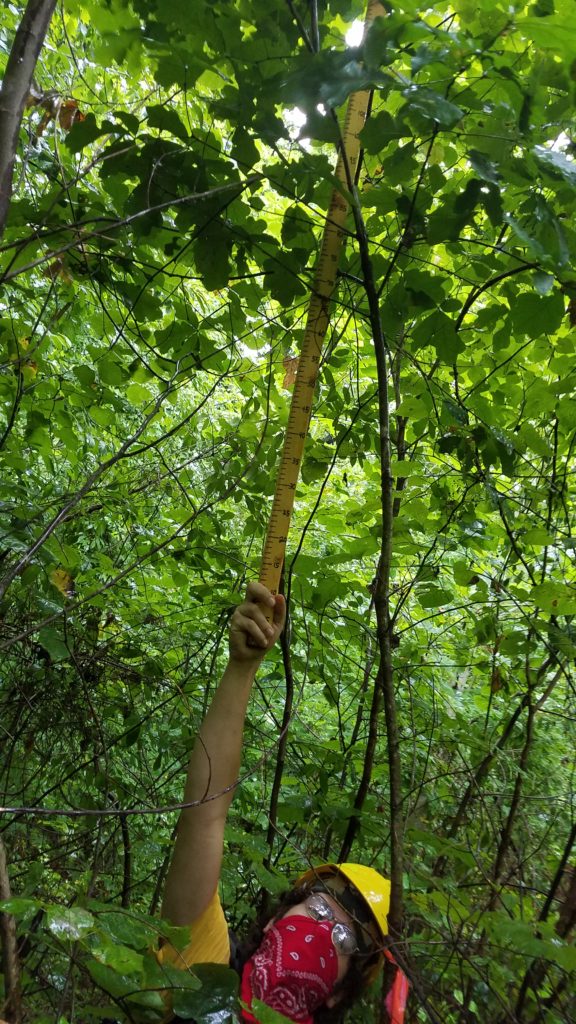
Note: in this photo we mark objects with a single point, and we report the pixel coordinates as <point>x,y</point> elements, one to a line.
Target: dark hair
<point>349,989</point>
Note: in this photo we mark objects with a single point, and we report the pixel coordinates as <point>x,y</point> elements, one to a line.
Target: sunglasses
<point>344,937</point>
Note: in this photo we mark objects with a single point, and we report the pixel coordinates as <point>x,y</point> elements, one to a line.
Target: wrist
<point>245,667</point>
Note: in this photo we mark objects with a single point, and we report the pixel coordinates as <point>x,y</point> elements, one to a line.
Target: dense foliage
<point>174,171</point>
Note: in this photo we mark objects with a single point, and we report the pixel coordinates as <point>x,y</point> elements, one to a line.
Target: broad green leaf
<point>556,163</point>
<point>53,642</point>
<point>69,923</point>
<point>433,106</point>
<point>84,132</point>
<point>18,905</point>
<point>559,598</point>
<point>121,959</point>
<point>434,597</point>
<point>138,394</point>
<point>215,1001</point>
<point>111,981</point>
<point>438,330</point>
<point>167,120</point>
<point>378,131</point>
<point>265,1014</point>
<point>484,167</point>
<point>125,927</point>
<point>553,32</point>
<point>212,252</point>
<point>534,315</point>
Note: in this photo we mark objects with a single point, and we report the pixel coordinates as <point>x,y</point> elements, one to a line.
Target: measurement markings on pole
<point>316,327</point>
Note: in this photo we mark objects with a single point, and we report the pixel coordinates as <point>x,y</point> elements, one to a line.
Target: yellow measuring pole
<point>316,326</point>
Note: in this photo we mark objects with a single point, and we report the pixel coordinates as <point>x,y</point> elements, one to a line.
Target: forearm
<point>212,776</point>
<point>215,760</point>
<point>215,763</point>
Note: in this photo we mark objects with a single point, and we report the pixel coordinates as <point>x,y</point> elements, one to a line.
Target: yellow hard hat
<point>371,886</point>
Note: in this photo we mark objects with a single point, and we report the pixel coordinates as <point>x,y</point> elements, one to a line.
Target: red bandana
<point>294,969</point>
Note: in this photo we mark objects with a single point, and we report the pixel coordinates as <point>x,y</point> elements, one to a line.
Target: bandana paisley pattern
<point>294,969</point>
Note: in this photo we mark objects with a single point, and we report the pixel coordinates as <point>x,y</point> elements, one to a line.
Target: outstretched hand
<point>248,624</point>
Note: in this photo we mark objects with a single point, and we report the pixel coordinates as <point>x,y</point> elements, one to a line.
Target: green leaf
<point>167,976</point>
<point>534,315</point>
<point>265,1014</point>
<point>138,394</point>
<point>54,643</point>
<point>378,131</point>
<point>119,958</point>
<point>212,256</point>
<point>319,126</point>
<point>539,228</point>
<point>130,121</point>
<point>438,330</point>
<point>484,168</point>
<point>126,928</point>
<point>166,119</point>
<point>84,132</point>
<point>283,282</point>
<point>85,374</point>
<point>101,415</point>
<point>543,283</point>
<point>298,228</point>
<point>433,106</point>
<point>556,164</point>
<point>328,77</point>
<point>434,597</point>
<point>406,468</point>
<point>559,598</point>
<point>244,149</point>
<point>563,639</point>
<point>215,1001</point>
<point>18,905</point>
<point>463,575</point>
<point>69,923</point>
<point>555,32</point>
<point>115,984</point>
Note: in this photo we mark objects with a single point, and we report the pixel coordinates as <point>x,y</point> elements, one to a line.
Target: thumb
<point>279,612</point>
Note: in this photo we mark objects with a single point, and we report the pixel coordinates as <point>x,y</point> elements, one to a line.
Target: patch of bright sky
<point>561,143</point>
<point>354,34</point>
<point>294,119</point>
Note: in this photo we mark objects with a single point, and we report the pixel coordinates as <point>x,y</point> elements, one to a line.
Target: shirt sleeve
<point>209,944</point>
<point>209,941</point>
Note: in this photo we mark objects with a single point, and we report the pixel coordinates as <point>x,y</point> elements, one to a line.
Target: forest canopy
<point>163,196</point>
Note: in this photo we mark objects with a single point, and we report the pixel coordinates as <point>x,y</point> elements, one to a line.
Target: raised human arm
<point>215,762</point>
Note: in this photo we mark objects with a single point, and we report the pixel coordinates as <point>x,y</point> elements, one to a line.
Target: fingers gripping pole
<point>316,327</point>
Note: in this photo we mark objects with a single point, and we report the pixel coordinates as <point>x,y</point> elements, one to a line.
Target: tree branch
<point>362,791</point>
<point>15,89</point>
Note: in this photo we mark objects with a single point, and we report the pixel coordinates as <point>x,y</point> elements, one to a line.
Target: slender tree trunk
<point>282,743</point>
<point>362,791</point>
<point>15,89</point>
<point>382,586</point>
<point>12,1009</point>
<point>384,619</point>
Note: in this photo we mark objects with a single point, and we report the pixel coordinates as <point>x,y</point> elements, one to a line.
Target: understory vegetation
<point>174,168</point>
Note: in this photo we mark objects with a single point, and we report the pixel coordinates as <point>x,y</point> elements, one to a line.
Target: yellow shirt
<point>209,943</point>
